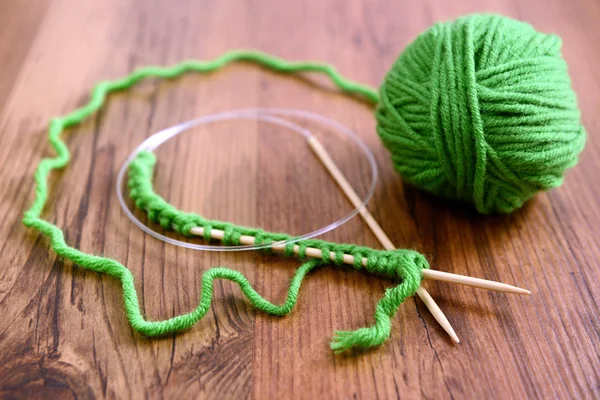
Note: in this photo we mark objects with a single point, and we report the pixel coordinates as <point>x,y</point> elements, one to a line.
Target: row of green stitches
<point>402,265</point>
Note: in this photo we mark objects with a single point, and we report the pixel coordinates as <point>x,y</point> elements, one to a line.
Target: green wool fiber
<point>481,109</point>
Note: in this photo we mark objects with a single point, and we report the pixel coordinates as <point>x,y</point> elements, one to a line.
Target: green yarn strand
<point>181,322</point>
<point>403,265</point>
<point>384,312</point>
<point>98,96</point>
<point>185,321</point>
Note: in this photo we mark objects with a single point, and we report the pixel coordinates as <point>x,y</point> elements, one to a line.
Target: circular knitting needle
<point>437,313</point>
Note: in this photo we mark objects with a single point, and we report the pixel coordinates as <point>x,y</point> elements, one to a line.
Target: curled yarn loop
<point>403,265</point>
<point>481,109</point>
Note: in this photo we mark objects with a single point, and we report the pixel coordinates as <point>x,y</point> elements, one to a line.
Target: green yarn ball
<point>481,110</point>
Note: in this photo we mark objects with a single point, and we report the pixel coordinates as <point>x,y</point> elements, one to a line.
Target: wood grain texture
<point>64,333</point>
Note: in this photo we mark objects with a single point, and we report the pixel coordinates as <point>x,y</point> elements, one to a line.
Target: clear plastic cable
<point>267,115</point>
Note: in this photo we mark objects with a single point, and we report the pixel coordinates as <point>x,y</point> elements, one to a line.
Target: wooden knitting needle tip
<point>473,282</point>
<point>437,313</point>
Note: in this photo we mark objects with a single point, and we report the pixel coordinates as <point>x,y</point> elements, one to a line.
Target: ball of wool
<point>481,109</point>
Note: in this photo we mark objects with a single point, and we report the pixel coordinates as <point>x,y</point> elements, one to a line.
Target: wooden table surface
<point>64,333</point>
